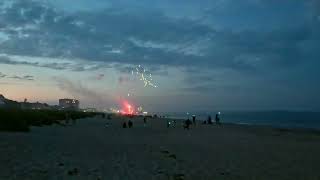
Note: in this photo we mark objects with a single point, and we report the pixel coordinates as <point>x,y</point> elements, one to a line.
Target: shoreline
<point>253,125</point>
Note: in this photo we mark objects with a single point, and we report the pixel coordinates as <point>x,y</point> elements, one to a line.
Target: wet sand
<point>90,150</point>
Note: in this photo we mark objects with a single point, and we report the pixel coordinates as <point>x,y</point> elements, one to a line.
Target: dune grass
<point>21,120</point>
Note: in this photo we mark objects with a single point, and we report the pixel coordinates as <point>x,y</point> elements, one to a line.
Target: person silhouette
<point>124,125</point>
<point>217,119</point>
<point>145,121</point>
<point>194,119</point>
<point>187,124</point>
<point>130,124</point>
<point>209,120</point>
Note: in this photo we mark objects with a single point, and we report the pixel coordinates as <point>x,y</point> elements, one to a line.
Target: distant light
<point>219,113</point>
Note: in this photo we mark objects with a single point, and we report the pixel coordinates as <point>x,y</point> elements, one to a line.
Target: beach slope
<point>91,149</point>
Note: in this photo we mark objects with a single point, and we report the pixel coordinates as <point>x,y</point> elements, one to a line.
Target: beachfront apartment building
<point>69,104</point>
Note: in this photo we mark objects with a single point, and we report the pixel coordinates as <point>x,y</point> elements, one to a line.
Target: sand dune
<point>90,150</point>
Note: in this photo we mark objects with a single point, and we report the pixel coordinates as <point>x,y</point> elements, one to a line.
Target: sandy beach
<point>90,150</point>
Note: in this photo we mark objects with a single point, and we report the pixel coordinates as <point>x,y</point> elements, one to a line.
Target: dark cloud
<point>56,66</point>
<point>2,75</point>
<point>151,37</point>
<point>64,37</point>
<point>26,77</point>
<point>7,60</point>
<point>80,66</point>
<point>146,37</point>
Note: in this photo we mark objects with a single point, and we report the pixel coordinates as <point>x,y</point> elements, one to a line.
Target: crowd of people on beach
<point>209,120</point>
<point>130,124</point>
<point>172,123</point>
<point>188,122</point>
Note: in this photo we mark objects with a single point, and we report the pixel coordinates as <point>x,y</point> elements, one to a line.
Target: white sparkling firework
<point>145,76</point>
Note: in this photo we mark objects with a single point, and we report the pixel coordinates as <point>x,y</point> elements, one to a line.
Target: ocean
<point>283,119</point>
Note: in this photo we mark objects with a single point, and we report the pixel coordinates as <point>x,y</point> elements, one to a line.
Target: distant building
<point>69,104</point>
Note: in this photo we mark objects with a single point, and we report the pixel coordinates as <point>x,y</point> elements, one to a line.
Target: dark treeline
<point>21,120</point>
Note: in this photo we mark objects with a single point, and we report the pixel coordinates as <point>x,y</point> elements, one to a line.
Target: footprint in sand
<point>169,155</point>
<point>73,172</point>
<point>165,152</point>
<point>224,172</point>
<point>61,164</point>
<point>178,176</point>
<point>173,156</point>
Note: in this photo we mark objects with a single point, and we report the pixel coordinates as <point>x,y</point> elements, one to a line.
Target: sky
<point>203,55</point>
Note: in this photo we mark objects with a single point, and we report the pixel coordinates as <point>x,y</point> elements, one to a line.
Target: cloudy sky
<point>203,55</point>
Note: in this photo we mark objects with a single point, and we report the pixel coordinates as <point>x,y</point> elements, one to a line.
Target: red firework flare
<point>127,108</point>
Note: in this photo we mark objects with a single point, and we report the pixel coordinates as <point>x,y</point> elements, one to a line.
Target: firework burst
<point>145,76</point>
